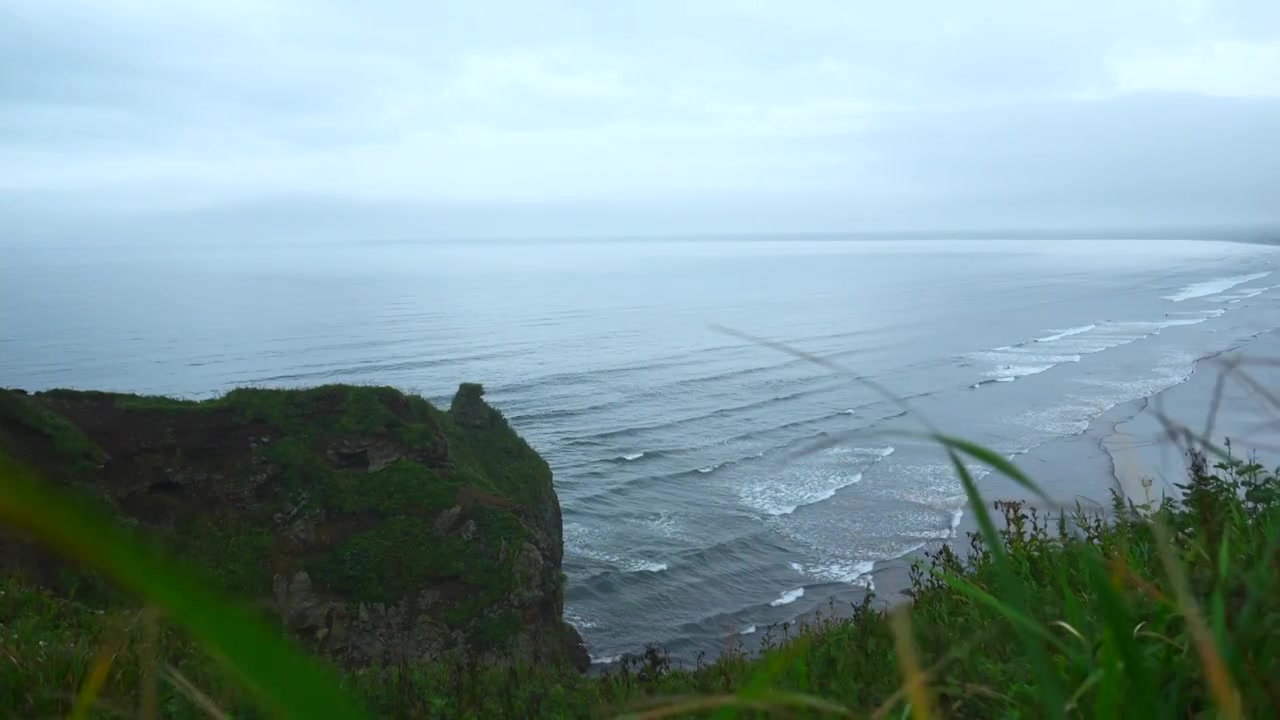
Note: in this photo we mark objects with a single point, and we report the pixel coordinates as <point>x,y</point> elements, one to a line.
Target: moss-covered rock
<point>378,527</point>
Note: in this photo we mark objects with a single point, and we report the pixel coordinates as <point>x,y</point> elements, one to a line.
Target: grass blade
<point>284,679</point>
<point>192,693</point>
<point>996,461</point>
<point>1223,689</point>
<point>913,678</point>
<point>97,678</point>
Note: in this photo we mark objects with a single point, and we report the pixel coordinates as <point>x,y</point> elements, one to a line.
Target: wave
<point>1213,287</point>
<point>838,571</point>
<point>748,630</point>
<point>1066,333</point>
<point>788,597</point>
<point>585,376</point>
<point>1086,340</point>
<point>606,660</point>
<point>1011,372</point>
<point>746,437</point>
<point>1239,295</point>
<point>628,457</point>
<point>375,368</point>
<point>809,483</point>
<point>766,500</point>
<point>585,542</point>
<point>572,617</point>
<point>1018,365</point>
<point>668,424</point>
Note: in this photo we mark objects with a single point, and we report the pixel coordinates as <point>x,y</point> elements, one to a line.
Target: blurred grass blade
<point>996,461</point>
<point>192,693</point>
<point>913,678</point>
<point>148,688</point>
<point>1116,618</point>
<point>284,679</point>
<point>829,364</point>
<point>770,702</point>
<point>98,670</point>
<point>1224,692</point>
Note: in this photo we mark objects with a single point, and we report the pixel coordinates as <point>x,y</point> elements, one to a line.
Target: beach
<point>1130,447</point>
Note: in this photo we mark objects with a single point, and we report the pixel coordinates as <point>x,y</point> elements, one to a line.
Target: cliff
<point>375,526</point>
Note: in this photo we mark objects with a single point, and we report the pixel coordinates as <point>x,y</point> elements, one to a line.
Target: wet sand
<point>1131,442</point>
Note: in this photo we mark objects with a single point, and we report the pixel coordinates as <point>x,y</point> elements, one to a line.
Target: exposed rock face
<point>379,528</point>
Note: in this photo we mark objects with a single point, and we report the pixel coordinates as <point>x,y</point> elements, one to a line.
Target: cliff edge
<point>375,526</point>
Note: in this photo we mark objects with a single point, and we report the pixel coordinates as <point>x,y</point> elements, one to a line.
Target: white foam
<point>785,496</point>
<point>747,630</point>
<point>607,660</point>
<point>936,485</point>
<point>1213,287</point>
<point>1066,333</point>
<point>851,572</point>
<point>575,619</point>
<point>1075,413</point>
<point>788,597</point>
<point>709,468</point>
<point>807,483</point>
<point>1015,362</point>
<point>877,453</point>
<point>586,542</point>
<point>1239,295</point>
<point>1011,372</point>
<point>850,411</point>
<point>632,456</point>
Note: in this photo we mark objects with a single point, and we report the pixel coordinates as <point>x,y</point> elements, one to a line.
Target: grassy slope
<point>1097,601</point>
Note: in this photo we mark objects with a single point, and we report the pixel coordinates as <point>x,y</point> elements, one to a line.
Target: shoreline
<point>1086,463</point>
<point>1115,451</point>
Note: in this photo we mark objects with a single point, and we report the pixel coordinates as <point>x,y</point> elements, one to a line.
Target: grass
<point>1162,609</point>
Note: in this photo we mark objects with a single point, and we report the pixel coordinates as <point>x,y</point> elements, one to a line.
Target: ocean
<point>711,484</point>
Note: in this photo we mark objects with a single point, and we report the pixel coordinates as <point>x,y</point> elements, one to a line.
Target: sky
<point>404,119</point>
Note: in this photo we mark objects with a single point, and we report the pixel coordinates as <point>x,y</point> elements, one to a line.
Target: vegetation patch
<point>402,487</point>
<point>68,441</point>
<point>391,561</point>
<point>234,555</point>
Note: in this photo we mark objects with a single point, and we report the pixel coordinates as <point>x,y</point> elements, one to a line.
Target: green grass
<point>69,442</point>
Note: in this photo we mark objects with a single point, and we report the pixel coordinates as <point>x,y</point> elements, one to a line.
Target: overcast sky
<point>419,119</point>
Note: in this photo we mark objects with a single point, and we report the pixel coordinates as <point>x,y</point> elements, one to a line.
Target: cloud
<point>495,77</point>
<point>823,113</point>
<point>1227,69</point>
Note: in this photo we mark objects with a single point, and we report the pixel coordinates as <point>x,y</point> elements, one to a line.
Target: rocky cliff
<point>375,526</point>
